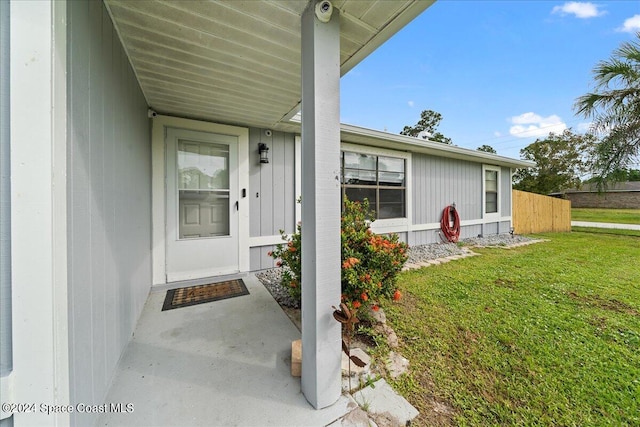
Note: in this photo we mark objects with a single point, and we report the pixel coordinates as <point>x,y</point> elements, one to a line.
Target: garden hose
<point>451,232</point>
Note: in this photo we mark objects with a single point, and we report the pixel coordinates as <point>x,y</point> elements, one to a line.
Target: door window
<point>203,189</point>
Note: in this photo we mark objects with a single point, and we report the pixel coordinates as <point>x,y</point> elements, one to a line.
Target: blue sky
<point>501,73</point>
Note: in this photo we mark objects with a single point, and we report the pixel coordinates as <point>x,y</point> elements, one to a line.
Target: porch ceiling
<point>238,62</point>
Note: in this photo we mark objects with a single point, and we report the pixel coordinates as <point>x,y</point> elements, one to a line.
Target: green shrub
<point>370,262</point>
<point>289,258</point>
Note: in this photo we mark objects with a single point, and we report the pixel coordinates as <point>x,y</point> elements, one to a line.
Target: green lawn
<point>620,216</point>
<point>546,334</point>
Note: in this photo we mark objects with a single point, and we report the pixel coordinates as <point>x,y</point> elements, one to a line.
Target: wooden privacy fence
<point>535,213</point>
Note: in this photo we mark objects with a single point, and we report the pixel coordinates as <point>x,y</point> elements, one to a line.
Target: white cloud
<point>411,104</point>
<point>531,125</point>
<point>525,118</point>
<point>584,127</point>
<point>631,25</point>
<point>581,10</point>
<point>497,134</point>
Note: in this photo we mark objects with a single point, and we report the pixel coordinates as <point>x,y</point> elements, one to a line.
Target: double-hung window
<point>380,179</point>
<point>491,190</point>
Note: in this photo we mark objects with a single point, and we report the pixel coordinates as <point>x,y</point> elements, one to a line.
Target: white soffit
<point>238,62</point>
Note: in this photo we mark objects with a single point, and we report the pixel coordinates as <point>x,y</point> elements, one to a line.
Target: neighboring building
<point>620,195</point>
<point>103,199</point>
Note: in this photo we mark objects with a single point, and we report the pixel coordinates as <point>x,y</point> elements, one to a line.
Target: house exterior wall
<point>612,200</point>
<point>109,202</point>
<point>439,182</point>
<point>272,193</point>
<point>436,182</point>
<point>505,189</point>
<point>272,185</point>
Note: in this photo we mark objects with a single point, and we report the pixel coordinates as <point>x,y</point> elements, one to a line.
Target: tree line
<point>603,155</point>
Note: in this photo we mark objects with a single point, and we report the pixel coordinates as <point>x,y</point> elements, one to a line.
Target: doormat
<point>192,295</point>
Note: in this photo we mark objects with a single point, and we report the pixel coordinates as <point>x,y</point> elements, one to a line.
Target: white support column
<point>320,207</point>
<point>38,110</point>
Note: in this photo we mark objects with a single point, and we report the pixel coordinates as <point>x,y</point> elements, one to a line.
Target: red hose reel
<point>450,231</point>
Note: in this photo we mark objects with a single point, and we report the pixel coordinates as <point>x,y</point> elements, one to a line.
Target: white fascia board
<point>360,135</point>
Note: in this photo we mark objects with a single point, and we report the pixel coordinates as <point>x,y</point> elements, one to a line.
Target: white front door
<point>201,204</point>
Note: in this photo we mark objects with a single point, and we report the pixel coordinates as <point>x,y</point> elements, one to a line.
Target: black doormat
<point>192,295</point>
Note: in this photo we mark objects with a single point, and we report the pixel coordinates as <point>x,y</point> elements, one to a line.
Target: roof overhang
<point>238,62</point>
<point>359,135</point>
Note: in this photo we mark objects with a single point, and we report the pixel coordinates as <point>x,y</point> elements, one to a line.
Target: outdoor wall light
<point>264,152</point>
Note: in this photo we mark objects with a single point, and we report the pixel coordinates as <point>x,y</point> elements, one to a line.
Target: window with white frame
<point>380,179</point>
<point>491,186</point>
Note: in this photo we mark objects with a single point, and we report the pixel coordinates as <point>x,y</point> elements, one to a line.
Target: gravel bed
<point>432,251</point>
<point>271,278</point>
<point>505,239</point>
<point>441,250</point>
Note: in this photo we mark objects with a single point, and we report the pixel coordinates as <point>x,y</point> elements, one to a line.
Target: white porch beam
<point>320,207</point>
<point>38,110</point>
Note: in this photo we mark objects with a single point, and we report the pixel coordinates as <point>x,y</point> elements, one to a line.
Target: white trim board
<point>38,108</point>
<point>492,216</point>
<point>256,242</point>
<point>380,227</point>
<point>464,223</point>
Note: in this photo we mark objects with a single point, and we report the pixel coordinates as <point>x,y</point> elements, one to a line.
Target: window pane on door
<point>203,214</point>
<point>203,189</point>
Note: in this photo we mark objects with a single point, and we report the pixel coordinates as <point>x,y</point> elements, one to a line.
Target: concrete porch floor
<point>225,363</point>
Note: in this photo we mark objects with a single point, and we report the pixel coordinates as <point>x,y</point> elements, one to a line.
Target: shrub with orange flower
<point>370,262</point>
<point>380,258</point>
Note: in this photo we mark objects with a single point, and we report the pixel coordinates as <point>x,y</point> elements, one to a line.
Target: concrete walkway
<point>225,363</point>
<point>228,363</point>
<point>605,225</point>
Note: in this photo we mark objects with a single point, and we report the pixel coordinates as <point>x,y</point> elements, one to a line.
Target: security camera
<point>151,114</point>
<point>324,9</point>
<point>268,132</point>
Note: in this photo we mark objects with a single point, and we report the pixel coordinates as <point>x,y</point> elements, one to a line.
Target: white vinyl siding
<point>109,203</point>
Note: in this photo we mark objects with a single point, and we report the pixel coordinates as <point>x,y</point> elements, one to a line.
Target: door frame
<point>158,195</point>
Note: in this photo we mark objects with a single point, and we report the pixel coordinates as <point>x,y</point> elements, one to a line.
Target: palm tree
<point>614,107</point>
